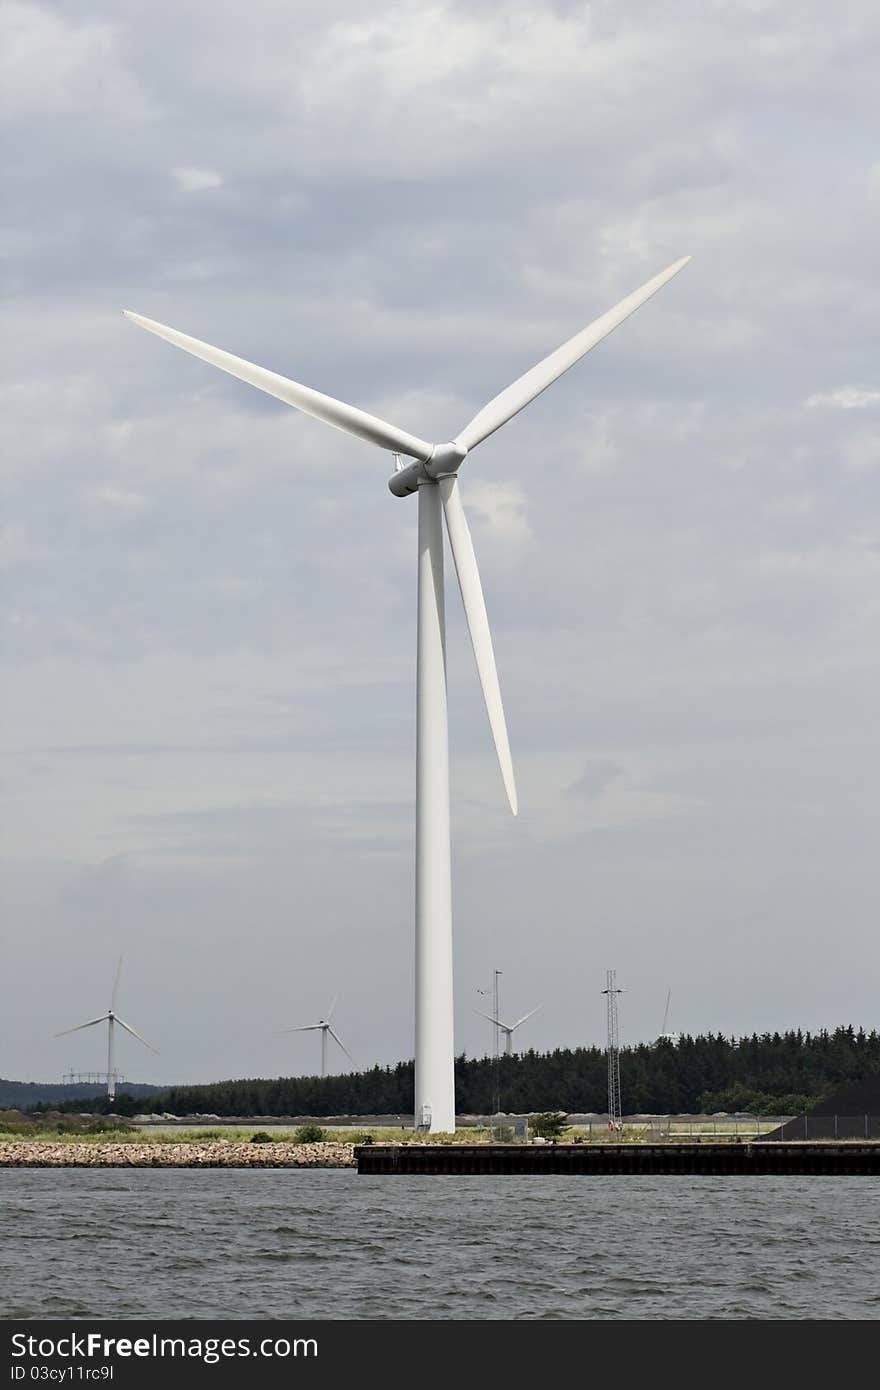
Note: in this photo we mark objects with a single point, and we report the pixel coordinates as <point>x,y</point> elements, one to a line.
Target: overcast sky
<point>209,599</point>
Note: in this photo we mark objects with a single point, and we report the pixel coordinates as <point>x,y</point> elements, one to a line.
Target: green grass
<point>234,1134</point>
<point>74,1130</point>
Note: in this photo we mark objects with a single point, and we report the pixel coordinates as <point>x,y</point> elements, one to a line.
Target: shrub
<point>261,1137</point>
<point>549,1125</point>
<point>14,1122</point>
<point>310,1134</point>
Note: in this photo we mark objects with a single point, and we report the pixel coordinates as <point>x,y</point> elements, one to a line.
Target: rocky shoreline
<point>218,1153</point>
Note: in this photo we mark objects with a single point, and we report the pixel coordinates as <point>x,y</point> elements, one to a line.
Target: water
<point>287,1243</point>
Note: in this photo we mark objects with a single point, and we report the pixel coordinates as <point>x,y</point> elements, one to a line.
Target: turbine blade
<point>525,1017</point>
<point>306,1028</point>
<point>331,1008</point>
<point>490,1019</point>
<point>478,625</point>
<point>333,412</point>
<point>129,1029</point>
<point>336,1038</point>
<point>524,390</point>
<point>90,1024</point>
<point>116,985</point>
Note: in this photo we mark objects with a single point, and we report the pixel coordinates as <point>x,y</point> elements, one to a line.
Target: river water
<point>288,1243</point>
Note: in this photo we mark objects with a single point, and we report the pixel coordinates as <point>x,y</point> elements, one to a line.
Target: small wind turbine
<point>666,1012</point>
<point>434,477</point>
<point>673,1038</point>
<point>324,1025</point>
<point>111,1018</point>
<point>508,1030</point>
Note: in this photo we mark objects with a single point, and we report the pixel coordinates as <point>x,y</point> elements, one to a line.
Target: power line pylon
<point>613,1049</point>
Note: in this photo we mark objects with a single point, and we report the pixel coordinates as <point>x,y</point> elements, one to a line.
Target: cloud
<point>14,546</point>
<point>191,180</point>
<point>53,66</point>
<point>844,398</point>
<point>500,512</point>
<point>210,630</point>
<point>596,776</point>
<point>119,499</point>
<point>862,451</point>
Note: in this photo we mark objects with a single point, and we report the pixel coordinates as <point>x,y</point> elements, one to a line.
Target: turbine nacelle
<point>444,462</point>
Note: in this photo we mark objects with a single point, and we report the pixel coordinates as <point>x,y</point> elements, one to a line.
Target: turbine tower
<point>433,475</point>
<point>111,1018</point>
<point>324,1025</point>
<point>509,1030</point>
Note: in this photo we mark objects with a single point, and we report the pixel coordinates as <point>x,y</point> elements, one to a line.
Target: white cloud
<point>51,65</point>
<point>119,499</point>
<point>854,565</point>
<point>192,180</point>
<point>14,546</point>
<point>798,507</point>
<point>500,512</point>
<point>862,452</point>
<point>844,398</point>
<point>413,205</point>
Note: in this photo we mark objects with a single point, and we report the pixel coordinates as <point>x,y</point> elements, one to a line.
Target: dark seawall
<point>601,1159</point>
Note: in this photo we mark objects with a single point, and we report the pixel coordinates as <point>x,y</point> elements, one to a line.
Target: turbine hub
<point>445,461</point>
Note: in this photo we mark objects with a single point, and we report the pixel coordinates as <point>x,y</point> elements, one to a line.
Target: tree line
<point>772,1073</point>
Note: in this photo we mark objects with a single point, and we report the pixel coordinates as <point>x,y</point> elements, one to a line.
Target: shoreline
<point>217,1153</point>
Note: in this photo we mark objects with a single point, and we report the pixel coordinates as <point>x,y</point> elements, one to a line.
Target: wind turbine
<point>434,477</point>
<point>673,1038</point>
<point>324,1025</point>
<point>508,1031</point>
<point>111,1018</point>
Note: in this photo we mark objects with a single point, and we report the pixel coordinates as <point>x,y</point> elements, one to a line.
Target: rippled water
<point>328,1244</point>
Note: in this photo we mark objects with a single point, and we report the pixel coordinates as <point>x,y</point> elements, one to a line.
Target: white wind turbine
<point>111,1018</point>
<point>434,476</point>
<point>324,1025</point>
<point>508,1029</point>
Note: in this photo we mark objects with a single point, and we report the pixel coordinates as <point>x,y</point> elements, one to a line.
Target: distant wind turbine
<point>673,1038</point>
<point>508,1030</point>
<point>434,477</point>
<point>111,1018</point>
<point>324,1025</point>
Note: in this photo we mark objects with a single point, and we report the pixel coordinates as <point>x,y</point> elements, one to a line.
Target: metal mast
<point>613,1047</point>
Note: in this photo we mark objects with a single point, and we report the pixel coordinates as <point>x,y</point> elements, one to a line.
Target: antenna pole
<point>613,1050</point>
